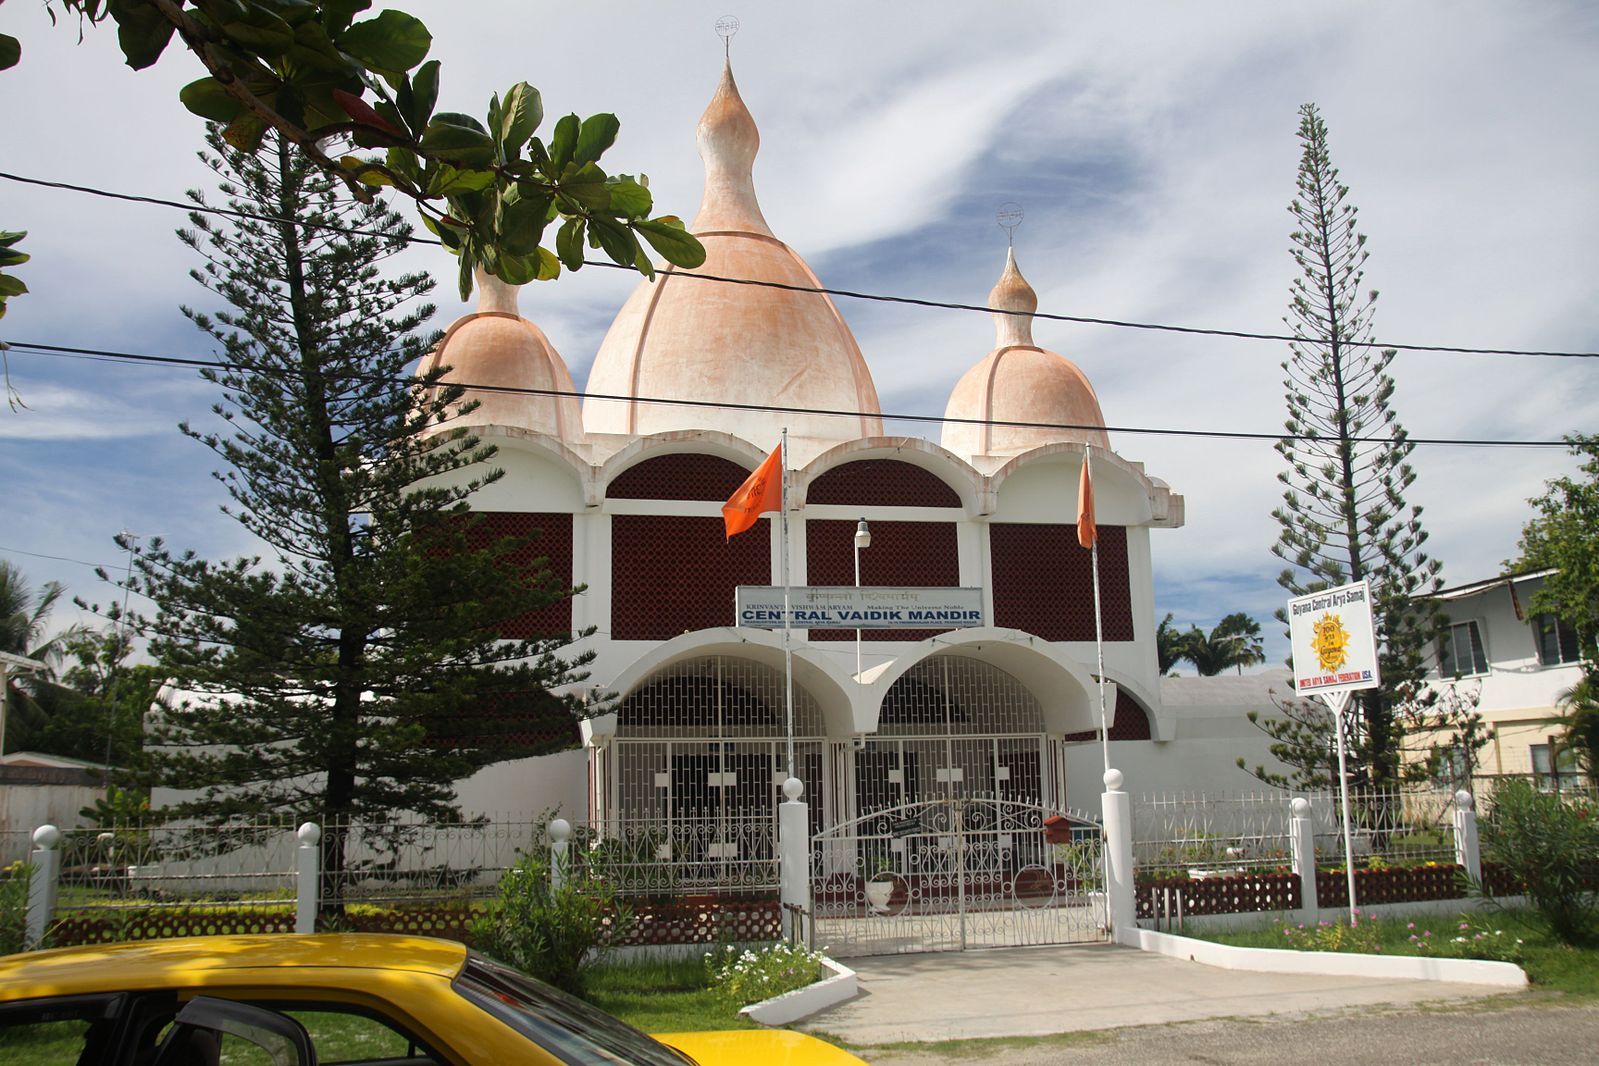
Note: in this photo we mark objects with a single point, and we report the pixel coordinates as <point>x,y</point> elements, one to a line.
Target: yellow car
<point>304,1000</point>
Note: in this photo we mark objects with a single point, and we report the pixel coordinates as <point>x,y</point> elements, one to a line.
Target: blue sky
<point>1151,145</point>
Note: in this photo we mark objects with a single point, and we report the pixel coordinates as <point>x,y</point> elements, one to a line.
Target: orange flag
<point>762,491</point>
<point>1087,531</point>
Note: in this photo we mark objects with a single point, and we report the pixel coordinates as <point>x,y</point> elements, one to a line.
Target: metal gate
<point>957,873</point>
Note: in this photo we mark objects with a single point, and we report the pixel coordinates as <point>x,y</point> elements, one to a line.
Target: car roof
<point>204,960</point>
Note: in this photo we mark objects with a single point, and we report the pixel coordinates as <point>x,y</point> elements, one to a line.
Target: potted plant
<point>880,886</point>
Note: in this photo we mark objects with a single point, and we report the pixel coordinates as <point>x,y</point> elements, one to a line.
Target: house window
<point>1460,651</point>
<point>1557,641</point>
<point>1555,768</point>
<point>1450,766</point>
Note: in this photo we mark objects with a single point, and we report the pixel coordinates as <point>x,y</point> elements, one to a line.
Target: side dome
<point>526,384</point>
<point>1020,382</point>
<point>681,338</point>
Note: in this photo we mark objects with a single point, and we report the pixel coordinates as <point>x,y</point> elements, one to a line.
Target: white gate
<point>957,873</point>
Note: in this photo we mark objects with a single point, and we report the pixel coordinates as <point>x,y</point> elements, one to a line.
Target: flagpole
<point>788,646</point>
<point>1099,622</point>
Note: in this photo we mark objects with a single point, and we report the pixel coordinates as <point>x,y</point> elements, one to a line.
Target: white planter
<point>878,894</point>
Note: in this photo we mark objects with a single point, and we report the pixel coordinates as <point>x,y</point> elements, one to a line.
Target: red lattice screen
<point>903,554</point>
<point>678,477</point>
<point>1044,582</point>
<point>1132,721</point>
<point>671,574</point>
<point>881,483</point>
<point>553,544</point>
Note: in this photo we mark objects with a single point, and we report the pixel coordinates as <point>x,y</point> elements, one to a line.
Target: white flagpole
<point>788,647</point>
<point>1099,624</point>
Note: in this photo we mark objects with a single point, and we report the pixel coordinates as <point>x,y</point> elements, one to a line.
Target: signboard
<point>846,607</point>
<point>905,827</point>
<point>1334,643</point>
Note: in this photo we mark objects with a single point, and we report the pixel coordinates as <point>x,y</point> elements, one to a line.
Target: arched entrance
<point>954,727</point>
<point>695,771</point>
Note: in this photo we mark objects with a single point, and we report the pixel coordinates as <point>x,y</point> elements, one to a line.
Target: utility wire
<point>909,301</point>
<point>724,405</point>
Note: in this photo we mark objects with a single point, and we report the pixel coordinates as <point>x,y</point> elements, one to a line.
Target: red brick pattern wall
<point>685,476</point>
<point>674,573</point>
<point>553,544</point>
<point>881,483</point>
<point>910,554</point>
<point>1132,721</point>
<point>1044,582</point>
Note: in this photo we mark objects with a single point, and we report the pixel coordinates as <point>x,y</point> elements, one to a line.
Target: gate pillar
<point>1122,904</point>
<point>793,843</point>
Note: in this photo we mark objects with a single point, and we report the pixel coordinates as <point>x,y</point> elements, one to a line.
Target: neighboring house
<point>1520,663</point>
<point>37,789</point>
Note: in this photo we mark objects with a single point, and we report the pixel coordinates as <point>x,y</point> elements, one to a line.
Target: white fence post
<point>1302,851</point>
<point>560,832</point>
<point>1122,902</point>
<point>1468,852</point>
<point>794,862</point>
<point>42,884</point>
<point>308,870</point>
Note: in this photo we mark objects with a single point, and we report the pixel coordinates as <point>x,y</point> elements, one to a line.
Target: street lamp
<point>863,539</point>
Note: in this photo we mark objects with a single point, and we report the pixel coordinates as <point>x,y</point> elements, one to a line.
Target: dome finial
<point>727,29</point>
<point>494,295</point>
<point>1009,215</point>
<point>728,141</point>
<point>1013,302</point>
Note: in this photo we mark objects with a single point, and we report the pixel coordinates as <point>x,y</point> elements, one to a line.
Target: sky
<point>1151,146</point>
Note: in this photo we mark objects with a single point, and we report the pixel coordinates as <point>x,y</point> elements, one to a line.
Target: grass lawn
<point>660,996</point>
<point>1550,965</point>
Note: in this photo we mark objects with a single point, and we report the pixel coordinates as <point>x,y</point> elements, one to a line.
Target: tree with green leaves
<point>1344,516</point>
<point>354,671</point>
<point>1235,641</point>
<point>1564,536</point>
<point>315,75</point>
<point>25,632</point>
<point>1169,645</point>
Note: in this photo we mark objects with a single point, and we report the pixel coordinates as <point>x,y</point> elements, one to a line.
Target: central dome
<point>690,338</point>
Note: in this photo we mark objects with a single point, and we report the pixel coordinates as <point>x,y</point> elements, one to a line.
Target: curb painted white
<point>803,1002</point>
<point>1334,963</point>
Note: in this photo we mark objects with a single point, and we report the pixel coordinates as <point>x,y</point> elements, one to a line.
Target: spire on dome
<point>728,140</point>
<point>1012,294</point>
<point>495,296</point>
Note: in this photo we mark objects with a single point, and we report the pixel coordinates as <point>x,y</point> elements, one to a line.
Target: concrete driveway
<point>1040,991</point>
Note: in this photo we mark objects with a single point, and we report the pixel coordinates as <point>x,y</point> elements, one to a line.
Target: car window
<point>68,1030</point>
<point>342,1036</point>
<point>568,1028</point>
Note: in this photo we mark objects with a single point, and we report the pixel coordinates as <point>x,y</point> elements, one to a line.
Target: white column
<point>1302,849</point>
<point>794,865</point>
<point>308,870</point>
<point>1122,904</point>
<point>1468,852</point>
<point>560,832</point>
<point>42,884</point>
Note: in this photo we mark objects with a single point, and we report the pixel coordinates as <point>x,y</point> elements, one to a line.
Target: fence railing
<point>1209,833</point>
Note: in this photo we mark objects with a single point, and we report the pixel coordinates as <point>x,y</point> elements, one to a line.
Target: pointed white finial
<point>494,295</point>
<point>1009,216</point>
<point>729,141</point>
<point>1013,301</point>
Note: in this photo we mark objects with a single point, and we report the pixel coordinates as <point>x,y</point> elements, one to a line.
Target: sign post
<point>1335,654</point>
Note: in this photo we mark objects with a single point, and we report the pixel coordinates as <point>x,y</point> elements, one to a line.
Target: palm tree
<point>1170,645</point>
<point>1236,641</point>
<point>24,620</point>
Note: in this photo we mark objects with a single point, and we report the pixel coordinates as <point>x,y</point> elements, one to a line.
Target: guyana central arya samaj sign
<point>823,607</point>
<point>1334,646</point>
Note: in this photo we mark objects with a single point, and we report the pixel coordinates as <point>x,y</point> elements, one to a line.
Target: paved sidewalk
<point>1039,991</point>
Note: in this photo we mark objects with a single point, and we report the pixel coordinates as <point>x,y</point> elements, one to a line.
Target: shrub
<point>14,907</point>
<point>1550,845</point>
<point>1360,935</point>
<point>1466,939</point>
<point>741,977</point>
<point>553,933</point>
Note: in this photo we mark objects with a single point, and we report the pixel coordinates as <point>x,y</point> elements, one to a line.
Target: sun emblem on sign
<point>1331,643</point>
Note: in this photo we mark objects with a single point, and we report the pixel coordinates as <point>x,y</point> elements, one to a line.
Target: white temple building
<point>627,490</point>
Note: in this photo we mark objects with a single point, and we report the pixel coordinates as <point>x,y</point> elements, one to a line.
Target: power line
<point>57,558</point>
<point>909,301</point>
<point>724,405</point>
